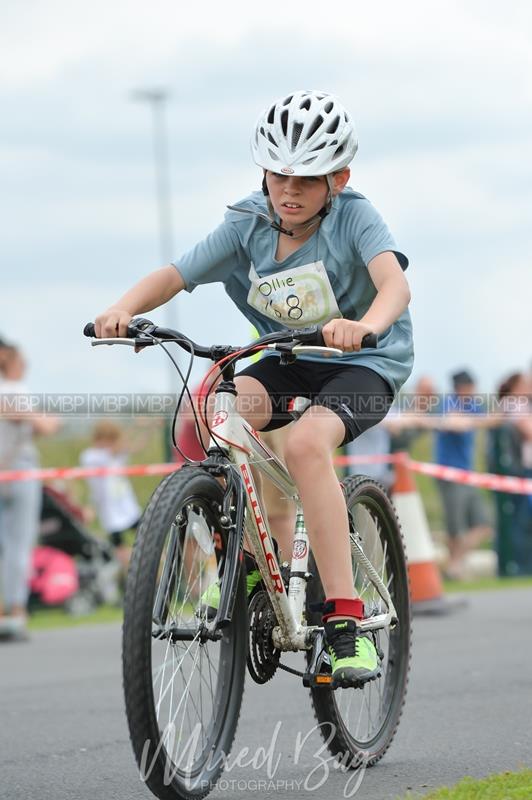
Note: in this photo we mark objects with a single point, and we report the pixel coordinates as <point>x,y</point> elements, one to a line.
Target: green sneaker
<point>210,599</point>
<point>354,659</point>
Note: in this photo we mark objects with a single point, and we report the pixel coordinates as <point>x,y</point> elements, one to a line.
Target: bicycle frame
<point>292,633</point>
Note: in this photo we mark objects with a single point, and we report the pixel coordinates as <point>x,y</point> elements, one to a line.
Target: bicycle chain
<point>263,657</point>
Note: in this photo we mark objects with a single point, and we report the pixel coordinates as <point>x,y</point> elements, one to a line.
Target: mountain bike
<point>184,663</point>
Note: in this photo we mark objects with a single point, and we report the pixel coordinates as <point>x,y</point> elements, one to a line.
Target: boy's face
<point>298,199</point>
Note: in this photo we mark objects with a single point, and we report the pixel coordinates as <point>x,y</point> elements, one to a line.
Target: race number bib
<point>295,297</point>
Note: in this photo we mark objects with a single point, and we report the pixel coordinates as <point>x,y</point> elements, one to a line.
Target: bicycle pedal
<point>320,681</point>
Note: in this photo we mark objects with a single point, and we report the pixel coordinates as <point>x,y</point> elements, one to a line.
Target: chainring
<point>263,658</point>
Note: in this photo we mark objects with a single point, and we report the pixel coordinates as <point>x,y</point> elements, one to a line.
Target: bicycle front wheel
<point>359,724</point>
<point>183,690</point>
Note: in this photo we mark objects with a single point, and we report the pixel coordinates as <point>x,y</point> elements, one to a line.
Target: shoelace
<point>342,645</point>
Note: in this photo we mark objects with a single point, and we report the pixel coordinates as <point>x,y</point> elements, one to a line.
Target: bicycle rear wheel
<point>183,690</point>
<point>359,724</point>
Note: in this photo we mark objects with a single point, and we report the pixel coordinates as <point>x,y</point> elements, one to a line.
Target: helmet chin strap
<point>299,230</point>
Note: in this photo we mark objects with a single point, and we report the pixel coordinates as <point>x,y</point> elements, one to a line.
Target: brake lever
<point>285,349</point>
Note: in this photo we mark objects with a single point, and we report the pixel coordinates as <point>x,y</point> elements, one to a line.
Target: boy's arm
<point>393,292</point>
<point>152,291</point>
<point>393,296</point>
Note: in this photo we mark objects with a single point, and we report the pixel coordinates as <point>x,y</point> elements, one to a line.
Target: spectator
<point>407,420</point>
<point>510,453</point>
<point>464,509</point>
<point>112,495</point>
<point>374,441</point>
<point>20,501</point>
<point>406,427</point>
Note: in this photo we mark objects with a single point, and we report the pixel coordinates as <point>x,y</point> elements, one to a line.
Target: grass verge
<point>484,584</point>
<point>46,618</point>
<point>507,786</point>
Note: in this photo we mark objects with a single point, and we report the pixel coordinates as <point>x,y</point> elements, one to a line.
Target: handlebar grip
<point>313,336</point>
<point>319,341</point>
<point>135,327</point>
<point>369,340</point>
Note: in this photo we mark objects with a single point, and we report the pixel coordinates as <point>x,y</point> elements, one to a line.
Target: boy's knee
<point>302,448</point>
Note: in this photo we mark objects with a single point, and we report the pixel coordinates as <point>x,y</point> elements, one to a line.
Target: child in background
<point>112,495</point>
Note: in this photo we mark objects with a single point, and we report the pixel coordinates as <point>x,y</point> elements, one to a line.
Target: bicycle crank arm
<point>318,674</point>
<point>176,634</point>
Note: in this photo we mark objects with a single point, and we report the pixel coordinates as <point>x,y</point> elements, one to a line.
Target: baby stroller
<point>71,566</point>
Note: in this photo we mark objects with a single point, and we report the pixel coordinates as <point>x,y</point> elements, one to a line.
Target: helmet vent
<point>284,120</point>
<point>320,146</point>
<point>333,127</point>
<point>318,122</point>
<point>309,160</point>
<point>272,140</point>
<point>273,155</point>
<point>271,115</point>
<point>288,100</point>
<point>339,150</point>
<point>305,104</point>
<point>296,134</point>
<point>328,107</point>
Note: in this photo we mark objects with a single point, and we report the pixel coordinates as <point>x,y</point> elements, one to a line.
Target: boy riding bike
<point>307,250</point>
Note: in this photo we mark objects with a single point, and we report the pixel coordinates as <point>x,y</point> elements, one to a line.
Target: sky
<point>441,94</point>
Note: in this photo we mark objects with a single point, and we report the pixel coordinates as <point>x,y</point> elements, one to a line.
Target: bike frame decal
<point>263,533</point>
<point>300,548</point>
<point>219,418</point>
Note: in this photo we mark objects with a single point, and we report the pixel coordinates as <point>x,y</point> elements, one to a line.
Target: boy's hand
<point>345,334</point>
<point>112,322</point>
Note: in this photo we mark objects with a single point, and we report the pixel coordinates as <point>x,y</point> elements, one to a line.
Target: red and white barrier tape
<point>68,473</point>
<point>482,480</point>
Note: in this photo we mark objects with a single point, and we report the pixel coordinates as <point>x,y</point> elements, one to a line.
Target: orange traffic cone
<point>426,586</point>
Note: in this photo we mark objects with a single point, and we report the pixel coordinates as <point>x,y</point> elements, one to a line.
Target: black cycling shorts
<point>358,395</point>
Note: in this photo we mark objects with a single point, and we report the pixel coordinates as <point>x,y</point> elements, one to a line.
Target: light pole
<point>156,98</point>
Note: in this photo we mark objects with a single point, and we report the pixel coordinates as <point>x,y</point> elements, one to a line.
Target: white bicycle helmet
<point>304,133</point>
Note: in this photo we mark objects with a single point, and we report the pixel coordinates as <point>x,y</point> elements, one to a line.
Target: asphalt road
<point>63,734</point>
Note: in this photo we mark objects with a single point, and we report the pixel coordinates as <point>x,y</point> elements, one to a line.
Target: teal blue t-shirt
<point>326,277</point>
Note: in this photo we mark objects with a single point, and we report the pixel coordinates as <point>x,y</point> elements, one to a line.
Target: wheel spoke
<point>366,718</point>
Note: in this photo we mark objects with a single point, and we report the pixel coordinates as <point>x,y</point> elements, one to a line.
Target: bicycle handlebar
<point>144,332</point>
<point>313,335</point>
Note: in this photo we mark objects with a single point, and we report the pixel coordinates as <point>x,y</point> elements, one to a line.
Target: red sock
<point>342,607</point>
